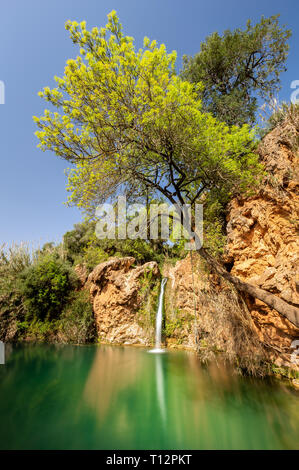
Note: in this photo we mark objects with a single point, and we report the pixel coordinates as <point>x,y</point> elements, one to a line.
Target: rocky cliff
<point>263,238</point>
<point>120,294</point>
<point>262,249</point>
<point>203,312</point>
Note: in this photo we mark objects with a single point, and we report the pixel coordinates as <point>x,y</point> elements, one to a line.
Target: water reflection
<point>160,387</point>
<point>107,397</point>
<point>113,371</point>
<point>186,405</point>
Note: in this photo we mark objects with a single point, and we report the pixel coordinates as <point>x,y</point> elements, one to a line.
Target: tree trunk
<point>282,307</point>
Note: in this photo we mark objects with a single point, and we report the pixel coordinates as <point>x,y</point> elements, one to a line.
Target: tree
<point>128,121</point>
<point>46,285</point>
<point>81,246</point>
<point>238,67</point>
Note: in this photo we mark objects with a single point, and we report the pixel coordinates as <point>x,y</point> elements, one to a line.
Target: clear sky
<point>34,47</point>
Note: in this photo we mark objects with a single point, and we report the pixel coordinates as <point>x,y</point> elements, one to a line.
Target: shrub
<point>13,260</point>
<point>91,257</point>
<point>77,320</point>
<point>38,330</point>
<point>76,240</point>
<point>46,285</point>
<point>81,246</point>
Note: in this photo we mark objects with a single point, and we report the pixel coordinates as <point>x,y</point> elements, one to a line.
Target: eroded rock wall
<point>115,288</point>
<point>182,298</point>
<point>263,238</point>
<point>262,249</point>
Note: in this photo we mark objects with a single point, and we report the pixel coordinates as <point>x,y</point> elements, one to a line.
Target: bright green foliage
<point>45,287</point>
<point>214,226</point>
<point>141,250</point>
<point>238,67</point>
<point>125,120</point>
<point>91,256</point>
<point>74,325</point>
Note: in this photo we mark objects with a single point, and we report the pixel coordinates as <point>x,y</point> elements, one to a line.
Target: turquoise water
<point>108,397</point>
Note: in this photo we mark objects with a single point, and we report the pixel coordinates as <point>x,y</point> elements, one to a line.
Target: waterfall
<point>159,318</point>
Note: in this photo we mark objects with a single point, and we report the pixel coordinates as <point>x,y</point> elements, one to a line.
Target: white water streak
<point>159,316</point>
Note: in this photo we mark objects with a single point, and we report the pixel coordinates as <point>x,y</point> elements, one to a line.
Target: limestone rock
<point>180,297</point>
<point>262,249</point>
<point>81,272</point>
<point>114,287</point>
<point>263,241</point>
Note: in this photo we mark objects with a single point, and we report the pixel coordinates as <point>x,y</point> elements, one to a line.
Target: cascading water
<point>159,318</point>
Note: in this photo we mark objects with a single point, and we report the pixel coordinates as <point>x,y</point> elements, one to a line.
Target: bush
<point>140,249</point>
<point>77,320</point>
<point>81,246</point>
<point>91,257</point>
<point>46,285</point>
<point>13,261</point>
<point>38,330</point>
<point>76,240</point>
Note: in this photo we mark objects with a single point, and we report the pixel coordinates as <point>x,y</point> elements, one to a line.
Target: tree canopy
<point>238,67</point>
<point>127,121</point>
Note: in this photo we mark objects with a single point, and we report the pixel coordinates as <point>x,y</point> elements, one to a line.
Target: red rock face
<point>115,291</point>
<point>263,241</point>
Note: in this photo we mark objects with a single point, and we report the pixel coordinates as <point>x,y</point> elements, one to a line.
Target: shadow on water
<point>109,397</point>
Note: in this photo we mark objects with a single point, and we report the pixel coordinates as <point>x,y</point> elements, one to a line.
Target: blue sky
<point>34,47</point>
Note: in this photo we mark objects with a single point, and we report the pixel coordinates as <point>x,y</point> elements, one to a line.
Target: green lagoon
<point>110,397</point>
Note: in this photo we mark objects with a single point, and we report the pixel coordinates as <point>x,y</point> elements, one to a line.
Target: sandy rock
<point>263,242</point>
<point>181,291</point>
<point>262,249</point>
<point>82,273</point>
<point>114,287</point>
